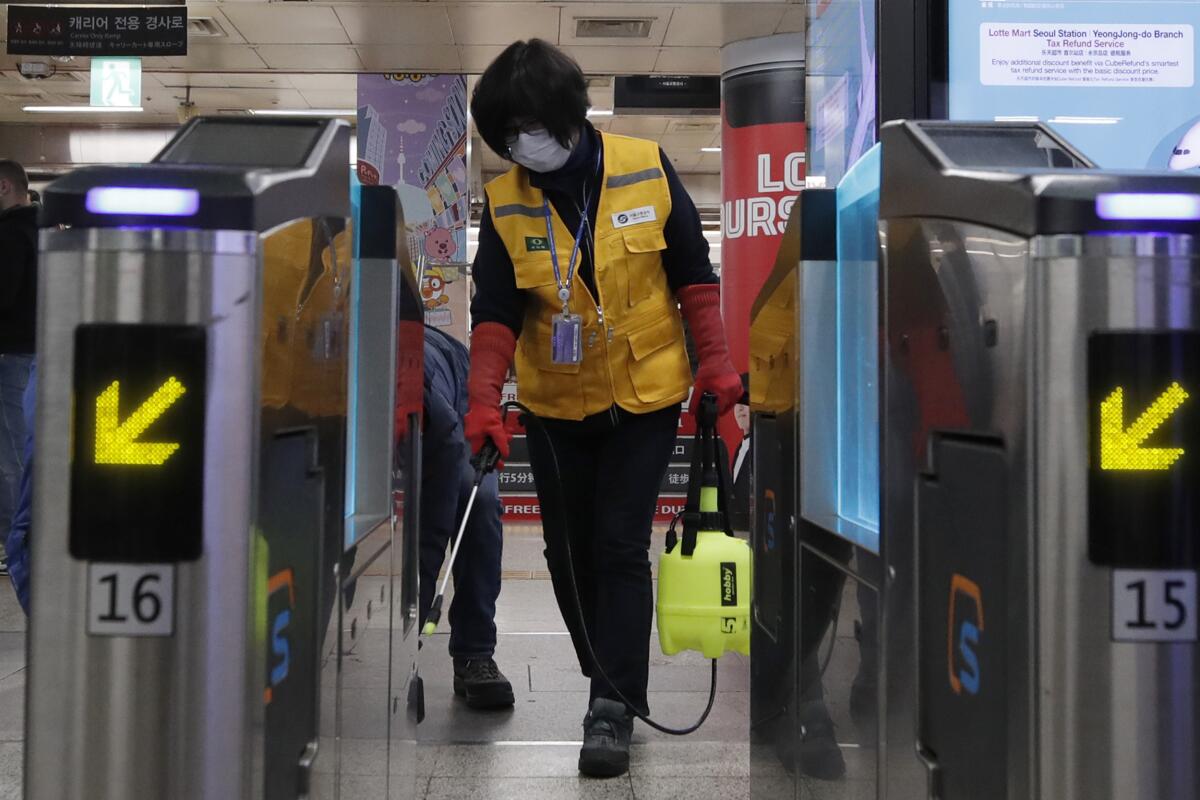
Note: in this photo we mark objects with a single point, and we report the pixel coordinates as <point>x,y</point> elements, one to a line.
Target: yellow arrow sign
<point>116,441</point>
<point>1120,447</point>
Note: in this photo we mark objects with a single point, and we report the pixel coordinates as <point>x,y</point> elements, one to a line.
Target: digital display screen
<point>1144,461</point>
<point>841,91</point>
<point>137,457</point>
<point>1018,148</point>
<point>1116,79</point>
<point>238,143</point>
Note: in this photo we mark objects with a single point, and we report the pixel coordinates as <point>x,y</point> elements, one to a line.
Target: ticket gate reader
<point>1041,453</point>
<point>195,382</point>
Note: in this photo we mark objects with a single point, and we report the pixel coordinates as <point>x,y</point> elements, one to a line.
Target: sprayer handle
<point>707,414</point>
<point>486,459</point>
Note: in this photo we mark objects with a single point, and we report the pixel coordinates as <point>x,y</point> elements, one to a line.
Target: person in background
<point>18,535</point>
<point>447,478</point>
<point>18,304</point>
<point>589,249</point>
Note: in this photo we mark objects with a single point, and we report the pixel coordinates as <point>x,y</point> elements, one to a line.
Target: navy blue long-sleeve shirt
<point>686,261</point>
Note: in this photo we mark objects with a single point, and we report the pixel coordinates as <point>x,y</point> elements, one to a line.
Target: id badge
<point>566,339</point>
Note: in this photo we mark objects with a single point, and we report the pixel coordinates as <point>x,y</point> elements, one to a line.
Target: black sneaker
<point>818,754</point>
<point>482,683</point>
<point>606,731</point>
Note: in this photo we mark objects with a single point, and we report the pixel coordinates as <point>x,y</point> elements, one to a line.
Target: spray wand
<point>484,462</point>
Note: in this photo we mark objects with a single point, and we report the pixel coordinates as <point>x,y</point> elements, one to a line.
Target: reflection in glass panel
<point>858,346</point>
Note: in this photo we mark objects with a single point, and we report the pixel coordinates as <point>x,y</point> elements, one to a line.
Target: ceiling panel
<point>619,60</point>
<point>345,82</point>
<point>218,57</point>
<point>249,80</point>
<point>476,58</point>
<point>496,24</point>
<point>794,20</point>
<point>396,24</point>
<point>660,14</point>
<point>411,58</point>
<point>683,162</point>
<point>709,25</point>
<point>647,127</point>
<point>248,98</point>
<point>709,162</point>
<point>331,98</point>
<point>688,141</point>
<point>330,57</point>
<point>689,60</point>
<point>699,124</point>
<point>284,23</point>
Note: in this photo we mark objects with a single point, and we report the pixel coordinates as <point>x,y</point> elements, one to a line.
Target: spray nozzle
<point>435,616</point>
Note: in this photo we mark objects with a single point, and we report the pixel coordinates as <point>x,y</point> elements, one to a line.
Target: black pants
<point>610,468</point>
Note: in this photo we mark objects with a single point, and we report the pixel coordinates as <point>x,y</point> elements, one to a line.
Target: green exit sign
<point>117,82</point>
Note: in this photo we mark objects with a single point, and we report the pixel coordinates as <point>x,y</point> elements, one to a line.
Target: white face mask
<point>539,151</point>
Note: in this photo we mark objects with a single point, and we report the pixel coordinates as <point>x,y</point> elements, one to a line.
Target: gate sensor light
<point>143,201</point>
<point>1148,206</point>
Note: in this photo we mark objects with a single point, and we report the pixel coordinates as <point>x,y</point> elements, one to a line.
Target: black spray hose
<point>529,419</point>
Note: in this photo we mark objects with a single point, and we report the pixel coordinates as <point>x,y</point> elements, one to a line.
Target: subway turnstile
<point>208,506</point>
<point>1041,443</point>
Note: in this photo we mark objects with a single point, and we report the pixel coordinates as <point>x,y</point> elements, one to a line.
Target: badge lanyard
<point>566,336</point>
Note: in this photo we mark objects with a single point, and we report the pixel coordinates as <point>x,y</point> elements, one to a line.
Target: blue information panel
<point>1117,79</point>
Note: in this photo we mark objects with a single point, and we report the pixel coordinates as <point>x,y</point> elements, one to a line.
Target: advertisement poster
<point>763,165</point>
<point>445,293</point>
<point>1116,79</point>
<point>412,134</point>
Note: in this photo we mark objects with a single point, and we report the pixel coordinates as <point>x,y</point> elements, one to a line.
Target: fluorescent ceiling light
<point>303,112</point>
<point>83,109</point>
<point>710,149</point>
<point>143,200</point>
<point>1133,206</point>
<point>599,112</point>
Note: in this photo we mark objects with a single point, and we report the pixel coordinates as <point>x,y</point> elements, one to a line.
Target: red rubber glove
<point>493,346</point>
<point>410,371</point>
<point>701,306</point>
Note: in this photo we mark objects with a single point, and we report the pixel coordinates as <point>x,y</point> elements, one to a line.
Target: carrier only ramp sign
<point>97,31</point>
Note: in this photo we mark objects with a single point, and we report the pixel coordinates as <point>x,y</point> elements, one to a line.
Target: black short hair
<point>531,80</point>
<point>14,173</point>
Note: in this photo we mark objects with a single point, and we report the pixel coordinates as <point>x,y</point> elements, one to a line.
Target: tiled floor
<point>530,752</point>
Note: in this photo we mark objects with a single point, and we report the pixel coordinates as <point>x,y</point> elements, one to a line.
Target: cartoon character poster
<point>445,295</point>
<point>412,134</point>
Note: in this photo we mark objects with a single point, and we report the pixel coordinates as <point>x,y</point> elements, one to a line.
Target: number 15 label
<point>1154,606</point>
<point>131,599</point>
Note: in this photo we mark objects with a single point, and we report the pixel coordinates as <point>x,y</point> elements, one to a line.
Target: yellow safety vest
<point>635,357</point>
<point>303,351</point>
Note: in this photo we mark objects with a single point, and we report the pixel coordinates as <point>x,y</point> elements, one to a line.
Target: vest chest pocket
<point>536,275</point>
<point>644,272</point>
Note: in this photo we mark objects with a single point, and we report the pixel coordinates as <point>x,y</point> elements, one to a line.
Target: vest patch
<point>537,244</point>
<point>634,216</point>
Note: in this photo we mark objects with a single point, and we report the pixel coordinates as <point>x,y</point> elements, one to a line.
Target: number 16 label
<point>1154,606</point>
<point>131,599</point>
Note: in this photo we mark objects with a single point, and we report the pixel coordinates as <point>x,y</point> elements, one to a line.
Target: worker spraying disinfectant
<point>704,575</point>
